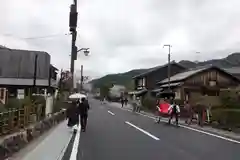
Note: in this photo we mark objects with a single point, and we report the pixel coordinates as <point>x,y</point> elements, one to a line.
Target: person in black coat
<point>73,114</point>
<point>83,110</point>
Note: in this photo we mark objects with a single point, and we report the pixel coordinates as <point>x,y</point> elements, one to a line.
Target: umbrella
<point>77,96</point>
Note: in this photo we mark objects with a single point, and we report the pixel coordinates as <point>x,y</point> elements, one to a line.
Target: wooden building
<point>206,80</point>
<point>147,81</point>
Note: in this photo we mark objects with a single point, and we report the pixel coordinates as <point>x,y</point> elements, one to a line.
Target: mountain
<point>233,60</point>
<point>120,78</point>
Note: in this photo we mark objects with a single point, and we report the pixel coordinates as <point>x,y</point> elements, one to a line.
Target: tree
<point>130,85</point>
<point>104,90</point>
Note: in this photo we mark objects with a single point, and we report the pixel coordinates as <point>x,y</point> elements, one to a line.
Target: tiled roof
<point>186,74</point>
<point>155,69</point>
<point>171,84</point>
<point>233,70</point>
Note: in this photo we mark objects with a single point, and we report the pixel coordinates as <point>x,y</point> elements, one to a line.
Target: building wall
<point>149,81</point>
<point>161,74</point>
<point>213,75</point>
<point>207,83</point>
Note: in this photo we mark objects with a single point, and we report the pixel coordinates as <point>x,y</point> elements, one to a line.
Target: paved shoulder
<point>53,146</point>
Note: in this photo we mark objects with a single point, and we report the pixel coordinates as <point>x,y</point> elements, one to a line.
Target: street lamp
<point>169,71</point>
<point>85,51</point>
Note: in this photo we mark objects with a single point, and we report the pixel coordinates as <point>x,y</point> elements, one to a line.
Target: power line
<point>48,36</point>
<point>37,37</point>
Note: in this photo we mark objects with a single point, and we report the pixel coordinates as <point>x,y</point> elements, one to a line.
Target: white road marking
<point>143,131</point>
<point>193,129</point>
<point>75,144</point>
<point>111,113</point>
<point>211,134</point>
<point>64,149</point>
<point>197,130</point>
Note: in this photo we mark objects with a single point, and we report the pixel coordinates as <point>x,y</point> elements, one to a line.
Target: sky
<point>123,34</point>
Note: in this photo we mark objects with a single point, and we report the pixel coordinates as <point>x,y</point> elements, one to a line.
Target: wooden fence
<point>15,119</point>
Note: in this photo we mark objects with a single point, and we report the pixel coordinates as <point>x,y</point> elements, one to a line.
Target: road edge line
<point>64,149</point>
<point>191,128</point>
<point>198,130</point>
<point>76,142</point>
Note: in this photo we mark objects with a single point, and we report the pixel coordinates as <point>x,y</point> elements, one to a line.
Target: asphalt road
<point>116,134</point>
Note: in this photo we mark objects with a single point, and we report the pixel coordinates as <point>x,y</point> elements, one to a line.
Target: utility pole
<point>81,83</point>
<point>169,66</point>
<point>73,26</point>
<point>34,74</point>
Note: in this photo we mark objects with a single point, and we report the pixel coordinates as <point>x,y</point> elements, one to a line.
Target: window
<point>144,82</point>
<point>212,83</point>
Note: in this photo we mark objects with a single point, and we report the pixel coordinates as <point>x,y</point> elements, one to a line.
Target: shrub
<point>14,103</point>
<point>27,101</point>
<point>230,99</point>
<point>149,103</point>
<point>2,108</point>
<point>38,100</point>
<point>227,117</point>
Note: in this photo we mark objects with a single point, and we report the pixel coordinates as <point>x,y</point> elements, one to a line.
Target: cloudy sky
<point>123,34</point>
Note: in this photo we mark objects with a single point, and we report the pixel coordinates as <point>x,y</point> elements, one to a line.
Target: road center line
<point>75,144</point>
<point>111,113</point>
<point>143,131</point>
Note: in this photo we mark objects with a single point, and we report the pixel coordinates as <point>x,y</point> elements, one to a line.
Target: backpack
<point>174,109</point>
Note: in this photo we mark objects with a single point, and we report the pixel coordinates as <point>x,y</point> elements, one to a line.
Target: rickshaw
<point>165,98</point>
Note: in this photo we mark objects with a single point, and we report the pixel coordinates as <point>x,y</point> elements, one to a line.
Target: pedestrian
<point>122,101</point>
<point>158,111</point>
<point>73,114</point>
<point>174,111</point>
<point>138,105</point>
<point>126,101</point>
<point>189,111</point>
<point>83,110</point>
<point>201,111</point>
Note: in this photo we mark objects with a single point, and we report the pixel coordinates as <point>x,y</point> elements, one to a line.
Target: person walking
<point>122,101</point>
<point>126,101</point>
<point>174,111</point>
<point>158,111</point>
<point>139,105</point>
<point>72,114</point>
<point>83,110</point>
<point>190,112</point>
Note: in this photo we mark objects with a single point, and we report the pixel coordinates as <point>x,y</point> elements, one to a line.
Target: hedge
<point>226,117</point>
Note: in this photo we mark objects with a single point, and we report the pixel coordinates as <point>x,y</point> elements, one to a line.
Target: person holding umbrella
<point>83,110</point>
<point>73,114</point>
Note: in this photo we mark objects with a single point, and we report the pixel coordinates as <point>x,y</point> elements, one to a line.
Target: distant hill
<point>233,60</point>
<point>120,78</point>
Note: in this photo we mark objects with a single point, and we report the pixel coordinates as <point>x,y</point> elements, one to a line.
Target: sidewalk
<point>182,122</point>
<point>51,147</point>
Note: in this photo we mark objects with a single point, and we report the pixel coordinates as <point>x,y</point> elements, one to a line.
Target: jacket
<point>84,107</point>
<point>171,108</point>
